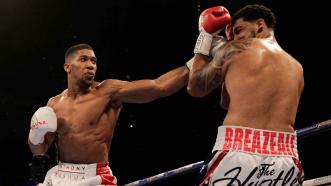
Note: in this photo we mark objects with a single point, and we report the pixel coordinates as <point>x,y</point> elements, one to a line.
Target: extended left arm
<point>142,91</point>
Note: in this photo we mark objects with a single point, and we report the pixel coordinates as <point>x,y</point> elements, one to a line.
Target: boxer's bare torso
<point>87,111</point>
<point>262,84</point>
<point>85,125</point>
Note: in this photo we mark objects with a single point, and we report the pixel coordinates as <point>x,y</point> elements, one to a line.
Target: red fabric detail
<point>104,172</point>
<point>102,164</point>
<point>228,138</point>
<point>301,173</point>
<point>214,165</point>
<point>259,141</point>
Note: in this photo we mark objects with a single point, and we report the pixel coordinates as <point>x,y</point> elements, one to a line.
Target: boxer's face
<point>83,66</point>
<point>244,29</point>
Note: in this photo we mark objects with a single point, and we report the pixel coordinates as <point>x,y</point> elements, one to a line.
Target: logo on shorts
<point>265,170</point>
<point>265,175</point>
<point>260,142</point>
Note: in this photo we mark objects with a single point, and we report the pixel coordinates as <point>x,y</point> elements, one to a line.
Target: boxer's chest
<point>79,115</point>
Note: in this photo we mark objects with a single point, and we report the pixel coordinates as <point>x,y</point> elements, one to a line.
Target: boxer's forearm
<point>174,80</point>
<point>38,149</point>
<point>42,148</point>
<point>197,85</point>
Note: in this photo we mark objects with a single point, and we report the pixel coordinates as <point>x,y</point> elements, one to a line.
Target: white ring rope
<point>318,181</point>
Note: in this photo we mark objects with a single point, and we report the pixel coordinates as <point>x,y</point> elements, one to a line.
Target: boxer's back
<point>264,84</point>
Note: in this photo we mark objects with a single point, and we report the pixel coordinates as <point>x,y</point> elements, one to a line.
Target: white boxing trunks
<point>248,156</point>
<point>80,174</point>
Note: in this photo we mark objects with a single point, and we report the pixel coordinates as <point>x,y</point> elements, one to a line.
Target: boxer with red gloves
<point>262,86</point>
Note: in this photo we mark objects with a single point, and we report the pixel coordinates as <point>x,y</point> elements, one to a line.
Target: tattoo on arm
<point>210,76</point>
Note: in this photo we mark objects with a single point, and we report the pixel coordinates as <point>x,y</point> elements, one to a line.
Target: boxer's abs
<point>86,138</point>
<point>83,149</point>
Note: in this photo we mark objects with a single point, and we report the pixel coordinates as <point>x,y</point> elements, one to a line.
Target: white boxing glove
<point>43,120</point>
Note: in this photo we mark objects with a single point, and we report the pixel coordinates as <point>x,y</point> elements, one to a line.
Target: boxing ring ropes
<point>301,133</point>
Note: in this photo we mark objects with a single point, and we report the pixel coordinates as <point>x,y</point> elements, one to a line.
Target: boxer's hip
<point>248,156</point>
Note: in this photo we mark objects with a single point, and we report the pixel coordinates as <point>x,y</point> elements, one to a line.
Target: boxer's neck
<point>76,89</point>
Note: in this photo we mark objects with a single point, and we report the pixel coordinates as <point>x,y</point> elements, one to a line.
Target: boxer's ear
<point>66,67</point>
<point>260,25</point>
<point>260,30</point>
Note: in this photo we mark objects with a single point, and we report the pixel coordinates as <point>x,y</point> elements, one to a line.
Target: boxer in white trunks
<point>84,116</point>
<point>261,85</point>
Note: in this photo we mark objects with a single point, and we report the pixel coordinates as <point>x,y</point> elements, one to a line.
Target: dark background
<point>144,39</point>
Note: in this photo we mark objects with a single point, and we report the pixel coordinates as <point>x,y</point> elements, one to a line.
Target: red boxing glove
<point>211,22</point>
<point>229,32</point>
<point>214,19</point>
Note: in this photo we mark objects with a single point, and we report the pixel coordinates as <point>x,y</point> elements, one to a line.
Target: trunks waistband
<point>82,168</point>
<point>256,141</point>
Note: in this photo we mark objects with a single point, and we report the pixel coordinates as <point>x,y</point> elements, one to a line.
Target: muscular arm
<point>205,76</point>
<point>142,91</point>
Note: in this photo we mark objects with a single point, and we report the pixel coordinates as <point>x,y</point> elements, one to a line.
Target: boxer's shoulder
<point>55,99</point>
